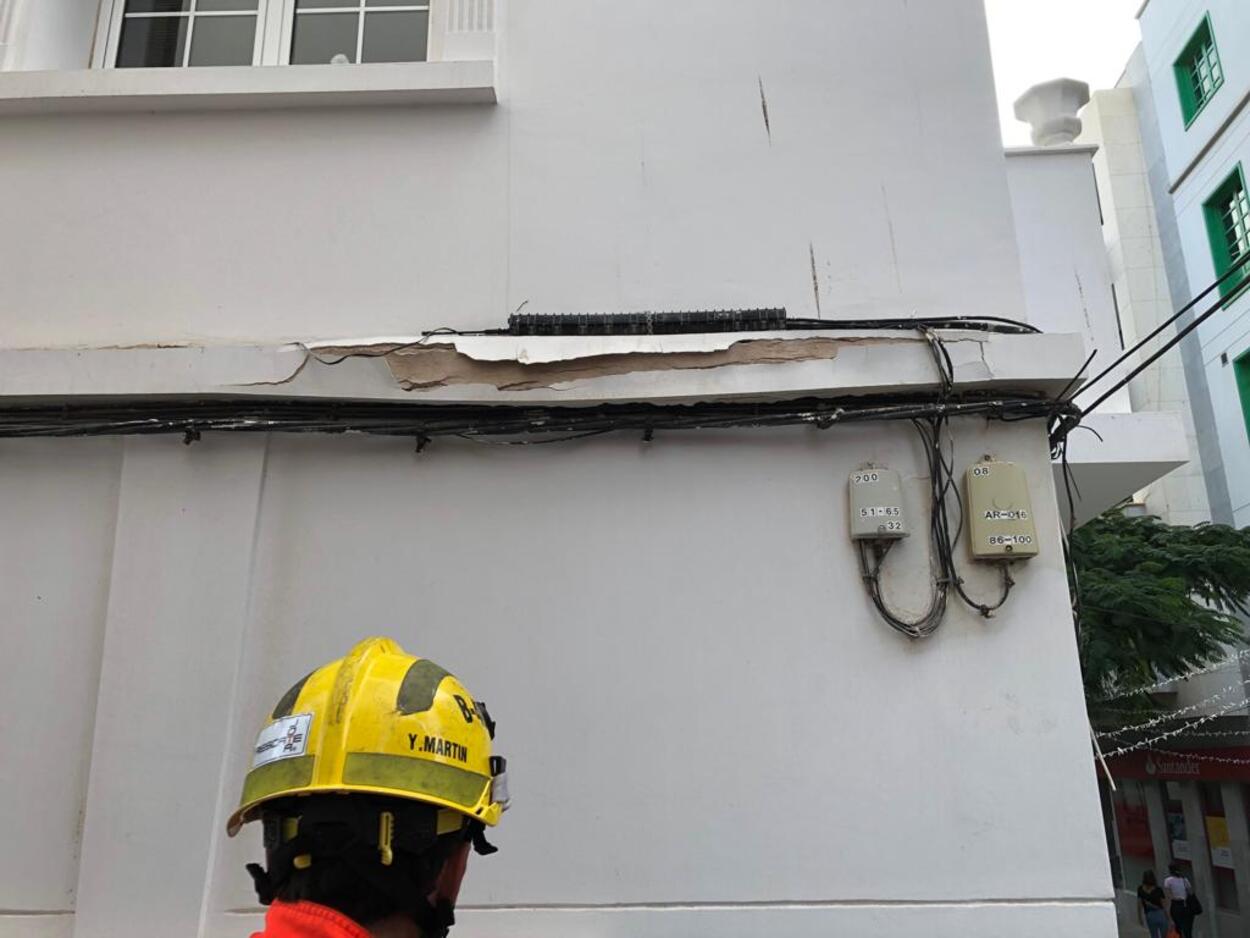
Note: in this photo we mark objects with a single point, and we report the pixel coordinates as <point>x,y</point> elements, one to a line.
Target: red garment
<point>307,920</point>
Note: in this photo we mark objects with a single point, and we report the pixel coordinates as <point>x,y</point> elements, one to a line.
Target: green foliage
<point>1156,600</point>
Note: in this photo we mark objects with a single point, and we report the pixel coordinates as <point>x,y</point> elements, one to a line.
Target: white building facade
<point>709,727</point>
<point>1172,138</point>
<point>1193,76</point>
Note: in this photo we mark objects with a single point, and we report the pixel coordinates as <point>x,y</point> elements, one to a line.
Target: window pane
<point>397,3</point>
<point>322,4</point>
<point>320,37</point>
<point>214,5</point>
<point>152,42</point>
<point>395,37</point>
<point>223,40</point>
<point>157,6</point>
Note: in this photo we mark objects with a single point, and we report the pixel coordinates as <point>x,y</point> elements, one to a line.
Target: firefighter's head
<point>372,779</point>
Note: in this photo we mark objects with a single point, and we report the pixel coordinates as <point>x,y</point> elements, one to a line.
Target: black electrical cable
<point>919,627</point>
<point>251,414</point>
<point>1129,352</point>
<point>1171,343</point>
<point>1064,423</point>
<point>999,324</point>
<point>933,429</point>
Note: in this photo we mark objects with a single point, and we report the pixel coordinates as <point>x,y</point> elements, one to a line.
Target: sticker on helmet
<point>282,739</point>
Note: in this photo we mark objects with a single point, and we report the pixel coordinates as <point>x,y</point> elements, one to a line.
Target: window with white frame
<point>358,31</point>
<point>165,33</point>
<point>173,33</point>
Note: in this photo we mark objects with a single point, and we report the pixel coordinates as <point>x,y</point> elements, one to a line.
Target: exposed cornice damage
<point>563,370</point>
<point>439,365</point>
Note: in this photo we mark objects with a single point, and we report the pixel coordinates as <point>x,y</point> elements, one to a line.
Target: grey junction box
<point>1000,515</point>
<point>876,497</point>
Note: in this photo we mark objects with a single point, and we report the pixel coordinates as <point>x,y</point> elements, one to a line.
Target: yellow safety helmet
<point>378,722</point>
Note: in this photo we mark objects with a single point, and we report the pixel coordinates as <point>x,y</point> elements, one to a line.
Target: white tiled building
<point>1172,139</point>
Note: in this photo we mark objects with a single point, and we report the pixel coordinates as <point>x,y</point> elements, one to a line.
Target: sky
<point>1037,40</point>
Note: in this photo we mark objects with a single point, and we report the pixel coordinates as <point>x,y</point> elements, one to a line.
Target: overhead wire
<point>253,414</point>
<point>1129,352</point>
<point>1171,343</point>
<point>1063,425</point>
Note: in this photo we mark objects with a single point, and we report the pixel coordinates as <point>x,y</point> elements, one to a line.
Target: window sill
<point>1189,121</point>
<point>247,88</point>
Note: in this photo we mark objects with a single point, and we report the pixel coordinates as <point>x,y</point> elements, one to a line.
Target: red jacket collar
<point>308,920</point>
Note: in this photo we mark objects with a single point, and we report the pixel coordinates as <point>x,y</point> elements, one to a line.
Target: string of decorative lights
<point>1172,733</point>
<point>1201,757</point>
<point>1172,715</point>
<point>1235,658</point>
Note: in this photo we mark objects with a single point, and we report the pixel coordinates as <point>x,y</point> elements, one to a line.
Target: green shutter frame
<point>1241,371</point>
<point>1226,233</point>
<point>1199,74</point>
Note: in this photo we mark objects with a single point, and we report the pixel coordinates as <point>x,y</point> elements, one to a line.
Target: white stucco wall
<point>709,728</point>
<point>1067,283</point>
<point>627,166</point>
<point>1226,336</point>
<point>1166,25</point>
<point>48,34</point>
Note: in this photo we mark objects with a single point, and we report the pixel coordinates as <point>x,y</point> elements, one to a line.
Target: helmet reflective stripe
<point>416,693</point>
<point>381,722</point>
<point>286,706</point>
<point>401,773</point>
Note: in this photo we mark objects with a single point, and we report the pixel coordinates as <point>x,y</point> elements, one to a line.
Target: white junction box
<point>1000,515</point>
<point>876,496</point>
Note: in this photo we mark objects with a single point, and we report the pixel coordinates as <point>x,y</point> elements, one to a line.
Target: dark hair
<point>337,883</point>
<point>1174,869</point>
<point>1148,878</point>
<point>325,849</point>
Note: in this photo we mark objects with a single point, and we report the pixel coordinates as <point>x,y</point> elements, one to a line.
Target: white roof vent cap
<point>1051,109</point>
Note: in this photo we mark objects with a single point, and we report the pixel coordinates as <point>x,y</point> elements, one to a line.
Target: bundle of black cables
<point>934,432</point>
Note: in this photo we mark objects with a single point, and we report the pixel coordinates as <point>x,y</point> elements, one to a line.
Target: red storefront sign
<point>1194,766</point>
<point>1134,827</point>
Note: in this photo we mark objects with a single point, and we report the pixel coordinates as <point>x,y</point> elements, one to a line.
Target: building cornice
<point>1210,144</point>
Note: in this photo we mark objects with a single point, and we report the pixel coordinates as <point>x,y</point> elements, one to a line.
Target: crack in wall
<point>768,129</point>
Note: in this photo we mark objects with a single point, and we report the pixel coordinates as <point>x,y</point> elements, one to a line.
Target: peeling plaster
<point>439,365</point>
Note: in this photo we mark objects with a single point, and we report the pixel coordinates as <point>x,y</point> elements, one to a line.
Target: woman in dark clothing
<point>1150,898</point>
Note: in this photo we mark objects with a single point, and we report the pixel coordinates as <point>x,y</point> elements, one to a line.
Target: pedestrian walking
<point>1183,905</point>
<point>1151,901</point>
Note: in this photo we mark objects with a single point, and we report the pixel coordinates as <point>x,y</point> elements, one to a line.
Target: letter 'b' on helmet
<point>378,722</point>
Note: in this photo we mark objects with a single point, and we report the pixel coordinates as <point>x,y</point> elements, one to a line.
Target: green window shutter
<point>1227,214</point>
<point>1241,370</point>
<point>1198,71</point>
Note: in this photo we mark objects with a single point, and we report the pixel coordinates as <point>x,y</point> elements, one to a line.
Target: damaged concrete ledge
<point>565,370</point>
